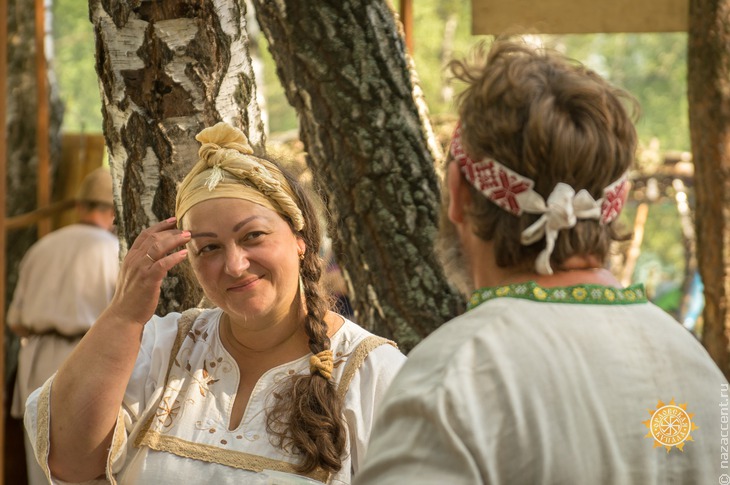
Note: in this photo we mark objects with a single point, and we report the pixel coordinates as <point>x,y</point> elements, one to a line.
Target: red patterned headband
<point>514,193</point>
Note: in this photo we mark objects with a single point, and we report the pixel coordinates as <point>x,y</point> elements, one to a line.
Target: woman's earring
<point>301,281</point>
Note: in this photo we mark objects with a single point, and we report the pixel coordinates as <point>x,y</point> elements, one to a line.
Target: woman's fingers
<point>169,261</point>
<point>160,245</point>
<point>155,251</point>
<point>157,242</point>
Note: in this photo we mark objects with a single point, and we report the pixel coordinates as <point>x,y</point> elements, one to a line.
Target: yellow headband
<point>228,169</point>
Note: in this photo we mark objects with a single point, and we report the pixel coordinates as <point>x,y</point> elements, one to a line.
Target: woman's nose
<point>236,261</point>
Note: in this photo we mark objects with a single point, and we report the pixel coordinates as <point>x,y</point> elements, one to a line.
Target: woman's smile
<point>245,284</point>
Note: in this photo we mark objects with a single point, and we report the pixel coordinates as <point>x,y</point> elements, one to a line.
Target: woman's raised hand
<point>155,251</point>
<point>89,387</point>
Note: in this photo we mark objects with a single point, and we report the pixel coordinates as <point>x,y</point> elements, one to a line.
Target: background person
<point>66,280</point>
<point>270,379</point>
<point>549,375</point>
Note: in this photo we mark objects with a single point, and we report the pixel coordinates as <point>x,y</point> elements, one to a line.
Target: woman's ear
<point>302,247</point>
<point>459,196</point>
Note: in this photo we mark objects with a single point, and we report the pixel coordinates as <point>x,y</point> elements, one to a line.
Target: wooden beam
<point>44,118</point>
<point>43,213</point>
<point>406,18</point>
<point>578,16</point>
<point>3,192</point>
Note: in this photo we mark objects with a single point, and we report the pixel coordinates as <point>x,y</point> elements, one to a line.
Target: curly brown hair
<point>552,120</point>
<point>307,414</point>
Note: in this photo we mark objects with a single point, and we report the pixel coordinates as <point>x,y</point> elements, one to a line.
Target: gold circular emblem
<point>670,425</point>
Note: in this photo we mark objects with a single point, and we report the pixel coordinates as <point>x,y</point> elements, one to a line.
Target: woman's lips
<point>244,284</point>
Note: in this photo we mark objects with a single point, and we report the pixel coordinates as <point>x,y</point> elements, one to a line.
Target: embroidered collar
<point>588,294</point>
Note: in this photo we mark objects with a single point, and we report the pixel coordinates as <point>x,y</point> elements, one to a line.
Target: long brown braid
<point>307,415</point>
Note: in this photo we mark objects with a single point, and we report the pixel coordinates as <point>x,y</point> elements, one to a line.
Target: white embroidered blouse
<point>175,430</point>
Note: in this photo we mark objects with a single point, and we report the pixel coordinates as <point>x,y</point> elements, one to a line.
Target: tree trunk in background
<point>166,70</point>
<point>22,163</point>
<point>344,68</point>
<point>254,50</point>
<point>708,85</point>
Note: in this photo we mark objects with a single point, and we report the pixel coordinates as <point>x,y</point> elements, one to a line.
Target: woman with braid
<point>270,382</point>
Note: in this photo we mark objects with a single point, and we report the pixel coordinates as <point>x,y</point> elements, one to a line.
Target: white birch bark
<point>167,70</point>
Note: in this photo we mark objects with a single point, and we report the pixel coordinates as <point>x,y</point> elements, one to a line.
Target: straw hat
<point>96,187</point>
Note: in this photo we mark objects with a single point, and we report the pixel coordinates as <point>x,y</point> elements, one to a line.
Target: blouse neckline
<point>590,294</point>
<point>294,363</point>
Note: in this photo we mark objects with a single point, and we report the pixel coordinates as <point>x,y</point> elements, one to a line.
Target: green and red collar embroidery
<point>587,294</point>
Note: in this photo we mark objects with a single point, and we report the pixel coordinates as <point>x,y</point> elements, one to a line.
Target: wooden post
<point>406,17</point>
<point>44,118</point>
<point>3,191</point>
<point>642,213</point>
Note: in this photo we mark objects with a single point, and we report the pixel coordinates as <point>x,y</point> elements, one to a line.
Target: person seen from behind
<point>66,279</point>
<point>556,374</point>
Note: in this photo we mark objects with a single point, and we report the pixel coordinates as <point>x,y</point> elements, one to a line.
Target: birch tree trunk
<point>254,50</point>
<point>344,68</point>
<point>709,118</point>
<point>166,70</point>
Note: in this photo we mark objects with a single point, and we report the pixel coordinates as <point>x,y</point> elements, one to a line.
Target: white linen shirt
<point>550,386</point>
<point>66,280</point>
<point>178,433</point>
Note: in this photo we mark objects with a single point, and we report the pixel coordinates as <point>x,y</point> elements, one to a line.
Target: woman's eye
<point>207,248</point>
<point>254,235</point>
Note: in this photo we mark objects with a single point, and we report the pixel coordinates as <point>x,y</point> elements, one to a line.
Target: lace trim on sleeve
<point>356,360</point>
<point>43,435</point>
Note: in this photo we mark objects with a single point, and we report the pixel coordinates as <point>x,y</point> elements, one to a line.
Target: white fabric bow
<point>562,210</point>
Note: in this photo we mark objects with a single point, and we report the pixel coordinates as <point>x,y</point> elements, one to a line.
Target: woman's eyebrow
<point>203,234</point>
<point>235,228</point>
<point>244,222</point>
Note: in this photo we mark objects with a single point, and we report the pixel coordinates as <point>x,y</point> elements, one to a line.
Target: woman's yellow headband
<point>228,169</point>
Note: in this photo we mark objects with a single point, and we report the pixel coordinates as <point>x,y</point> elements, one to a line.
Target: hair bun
<point>222,135</point>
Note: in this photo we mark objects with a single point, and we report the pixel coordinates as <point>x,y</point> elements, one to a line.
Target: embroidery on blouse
<point>167,412</point>
<point>584,294</point>
<point>185,323</point>
<point>176,398</point>
<point>153,435</point>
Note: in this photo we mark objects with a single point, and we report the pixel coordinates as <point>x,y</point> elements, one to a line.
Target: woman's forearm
<point>86,396</point>
<point>88,390</point>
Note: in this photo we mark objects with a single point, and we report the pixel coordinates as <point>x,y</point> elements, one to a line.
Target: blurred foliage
<point>73,64</point>
<point>650,66</point>
<point>662,259</point>
<point>282,116</point>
